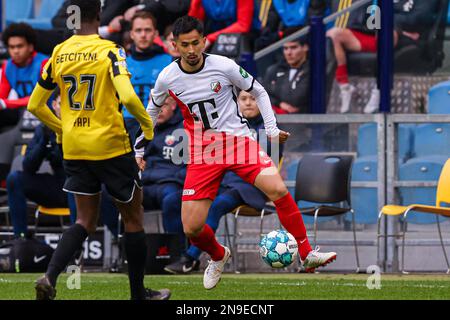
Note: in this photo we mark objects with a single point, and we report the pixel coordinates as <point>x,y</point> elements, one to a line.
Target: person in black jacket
<point>288,82</point>
<point>43,188</point>
<point>233,191</point>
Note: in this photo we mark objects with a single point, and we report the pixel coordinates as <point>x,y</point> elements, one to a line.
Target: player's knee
<point>89,226</point>
<point>192,231</point>
<point>278,192</point>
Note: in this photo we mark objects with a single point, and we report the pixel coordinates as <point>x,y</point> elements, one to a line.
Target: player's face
<point>143,33</point>
<point>294,53</point>
<point>191,46</point>
<point>167,110</point>
<point>247,105</point>
<point>20,50</point>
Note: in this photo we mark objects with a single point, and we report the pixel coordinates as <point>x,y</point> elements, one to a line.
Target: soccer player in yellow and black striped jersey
<point>94,81</point>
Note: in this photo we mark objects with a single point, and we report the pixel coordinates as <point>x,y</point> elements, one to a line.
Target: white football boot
<point>316,259</point>
<point>214,270</point>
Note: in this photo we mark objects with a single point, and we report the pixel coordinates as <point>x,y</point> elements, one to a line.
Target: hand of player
<point>141,163</point>
<point>283,136</point>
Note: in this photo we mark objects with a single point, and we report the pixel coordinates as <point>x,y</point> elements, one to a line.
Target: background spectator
<point>19,73</point>
<point>288,82</point>
<point>145,61</point>
<point>226,16</point>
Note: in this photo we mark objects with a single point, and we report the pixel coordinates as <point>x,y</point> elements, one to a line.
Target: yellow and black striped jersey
<point>92,124</point>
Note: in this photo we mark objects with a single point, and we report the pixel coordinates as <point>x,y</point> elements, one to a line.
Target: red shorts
<point>203,179</point>
<point>368,41</point>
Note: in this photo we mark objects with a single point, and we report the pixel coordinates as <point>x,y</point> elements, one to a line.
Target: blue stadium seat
<point>367,141</point>
<point>420,169</point>
<point>364,200</point>
<point>432,139</point>
<point>43,19</point>
<point>439,98</point>
<point>16,10</point>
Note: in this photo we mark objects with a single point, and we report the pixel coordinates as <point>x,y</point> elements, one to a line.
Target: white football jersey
<point>208,97</point>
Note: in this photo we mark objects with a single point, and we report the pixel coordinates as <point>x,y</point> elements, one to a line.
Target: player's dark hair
<point>22,30</point>
<point>144,15</point>
<point>90,9</point>
<point>187,24</point>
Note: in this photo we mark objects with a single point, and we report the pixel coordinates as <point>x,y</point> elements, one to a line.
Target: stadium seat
<point>367,143</point>
<point>18,10</point>
<point>438,134</point>
<point>439,98</point>
<point>55,212</point>
<point>43,20</point>
<point>364,200</point>
<point>442,197</point>
<point>420,169</point>
<point>325,179</point>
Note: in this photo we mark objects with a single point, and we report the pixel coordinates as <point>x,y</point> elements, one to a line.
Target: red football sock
<point>207,242</point>
<point>291,219</point>
<point>342,74</point>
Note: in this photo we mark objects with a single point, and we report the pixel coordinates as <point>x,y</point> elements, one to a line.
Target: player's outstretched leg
<point>202,236</point>
<point>70,243</point>
<point>270,182</point>
<point>136,249</point>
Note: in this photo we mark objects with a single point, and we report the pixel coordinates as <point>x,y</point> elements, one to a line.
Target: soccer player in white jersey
<point>204,86</point>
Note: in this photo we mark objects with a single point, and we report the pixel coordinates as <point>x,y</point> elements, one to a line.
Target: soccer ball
<point>278,248</point>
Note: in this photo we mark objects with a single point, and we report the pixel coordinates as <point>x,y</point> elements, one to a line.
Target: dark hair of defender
<point>90,9</point>
<point>187,24</point>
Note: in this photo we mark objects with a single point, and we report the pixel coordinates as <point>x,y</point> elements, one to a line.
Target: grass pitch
<point>103,286</point>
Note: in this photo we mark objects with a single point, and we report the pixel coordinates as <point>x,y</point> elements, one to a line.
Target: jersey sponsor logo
<point>204,111</point>
<point>122,53</point>
<point>243,73</point>
<point>188,192</point>
<point>122,63</point>
<point>216,86</point>
<point>179,93</point>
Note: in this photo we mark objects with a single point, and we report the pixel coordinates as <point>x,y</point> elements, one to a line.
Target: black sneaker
<point>44,289</point>
<point>163,294</point>
<point>184,265</point>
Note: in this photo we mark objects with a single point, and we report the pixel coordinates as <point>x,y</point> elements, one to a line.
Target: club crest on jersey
<point>122,53</point>
<point>243,73</point>
<point>170,140</point>
<point>215,86</point>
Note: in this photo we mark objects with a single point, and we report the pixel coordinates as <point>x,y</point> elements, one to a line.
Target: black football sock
<point>71,242</point>
<point>136,253</point>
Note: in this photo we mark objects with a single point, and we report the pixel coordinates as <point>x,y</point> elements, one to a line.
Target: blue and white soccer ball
<point>278,248</point>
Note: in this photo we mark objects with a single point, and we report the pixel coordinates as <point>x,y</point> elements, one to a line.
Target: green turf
<point>101,286</point>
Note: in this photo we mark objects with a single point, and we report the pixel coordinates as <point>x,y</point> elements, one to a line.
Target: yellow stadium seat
<point>442,196</point>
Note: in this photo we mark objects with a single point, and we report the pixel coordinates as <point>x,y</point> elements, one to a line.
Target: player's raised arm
<point>38,101</point>
<point>121,81</point>
<point>243,80</point>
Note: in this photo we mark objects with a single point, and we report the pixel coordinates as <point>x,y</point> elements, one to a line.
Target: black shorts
<point>120,175</point>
